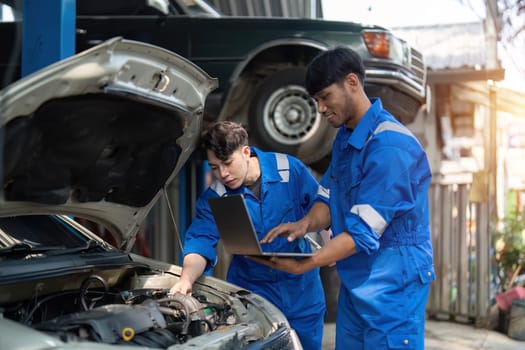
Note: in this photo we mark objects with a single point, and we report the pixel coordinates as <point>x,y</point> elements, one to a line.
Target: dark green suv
<point>260,63</point>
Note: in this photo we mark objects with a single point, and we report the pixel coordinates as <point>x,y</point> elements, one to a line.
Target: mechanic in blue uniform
<point>377,184</point>
<point>277,188</point>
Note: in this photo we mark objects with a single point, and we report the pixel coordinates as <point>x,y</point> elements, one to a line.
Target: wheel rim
<point>290,115</point>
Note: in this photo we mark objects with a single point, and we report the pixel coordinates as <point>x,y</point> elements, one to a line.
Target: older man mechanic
<point>277,188</point>
<point>377,184</point>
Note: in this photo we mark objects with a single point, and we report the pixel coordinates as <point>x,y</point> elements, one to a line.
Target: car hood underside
<point>99,135</point>
<point>91,148</point>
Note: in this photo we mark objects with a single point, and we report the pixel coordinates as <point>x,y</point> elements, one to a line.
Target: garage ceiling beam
<point>450,76</point>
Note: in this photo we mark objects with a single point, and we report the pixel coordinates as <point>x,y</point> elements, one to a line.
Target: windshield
<point>196,8</point>
<point>39,230</point>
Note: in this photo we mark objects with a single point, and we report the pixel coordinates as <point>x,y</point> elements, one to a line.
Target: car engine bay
<point>142,317</point>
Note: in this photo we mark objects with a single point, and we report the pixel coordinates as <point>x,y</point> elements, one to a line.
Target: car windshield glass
<point>197,8</point>
<point>39,230</point>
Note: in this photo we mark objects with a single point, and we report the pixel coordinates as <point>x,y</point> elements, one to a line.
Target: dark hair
<point>333,66</point>
<point>223,138</point>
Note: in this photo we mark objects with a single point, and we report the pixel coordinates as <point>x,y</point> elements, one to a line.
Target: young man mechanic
<point>277,188</point>
<point>377,185</point>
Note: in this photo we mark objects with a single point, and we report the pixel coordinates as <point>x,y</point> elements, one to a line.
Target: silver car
<point>97,136</point>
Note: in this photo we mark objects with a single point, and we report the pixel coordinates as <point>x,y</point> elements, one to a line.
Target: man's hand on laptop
<point>292,230</point>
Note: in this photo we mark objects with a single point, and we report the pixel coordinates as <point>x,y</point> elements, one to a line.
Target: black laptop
<point>236,228</point>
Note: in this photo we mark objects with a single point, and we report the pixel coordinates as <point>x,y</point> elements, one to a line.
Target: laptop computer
<point>236,228</point>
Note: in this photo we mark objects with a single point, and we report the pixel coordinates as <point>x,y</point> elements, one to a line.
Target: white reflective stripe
<point>283,166</point>
<point>371,217</point>
<point>282,161</point>
<point>218,187</point>
<point>391,126</point>
<point>323,192</point>
<point>285,175</point>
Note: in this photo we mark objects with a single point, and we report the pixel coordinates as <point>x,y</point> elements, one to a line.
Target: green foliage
<point>509,246</point>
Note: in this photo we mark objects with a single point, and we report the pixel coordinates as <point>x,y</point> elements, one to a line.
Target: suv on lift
<point>260,63</point>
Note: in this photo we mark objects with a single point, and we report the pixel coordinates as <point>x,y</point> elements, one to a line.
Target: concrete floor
<point>441,335</point>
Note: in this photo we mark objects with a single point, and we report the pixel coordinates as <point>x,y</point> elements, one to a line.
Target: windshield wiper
<point>21,250</point>
<point>89,246</point>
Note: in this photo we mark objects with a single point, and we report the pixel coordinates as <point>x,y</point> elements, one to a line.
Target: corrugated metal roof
<point>456,53</point>
<point>448,46</point>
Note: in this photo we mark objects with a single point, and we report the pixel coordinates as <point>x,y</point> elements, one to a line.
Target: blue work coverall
<point>378,184</point>
<point>288,190</point>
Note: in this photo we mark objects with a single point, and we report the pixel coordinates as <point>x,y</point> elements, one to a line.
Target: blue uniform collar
<point>269,171</point>
<point>366,125</point>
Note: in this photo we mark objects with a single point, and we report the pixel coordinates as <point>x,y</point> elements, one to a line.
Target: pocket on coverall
<point>401,341</point>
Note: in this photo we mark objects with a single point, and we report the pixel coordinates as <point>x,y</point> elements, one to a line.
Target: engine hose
<point>191,306</point>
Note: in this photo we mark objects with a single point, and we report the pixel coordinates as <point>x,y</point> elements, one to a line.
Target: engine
<point>143,317</point>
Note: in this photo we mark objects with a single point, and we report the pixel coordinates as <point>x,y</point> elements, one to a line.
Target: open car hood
<point>98,135</point>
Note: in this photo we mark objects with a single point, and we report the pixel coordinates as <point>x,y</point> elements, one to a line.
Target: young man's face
<point>233,171</point>
<point>336,102</point>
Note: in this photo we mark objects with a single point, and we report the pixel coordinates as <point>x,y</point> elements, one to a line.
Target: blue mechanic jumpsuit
<point>378,184</point>
<point>287,192</point>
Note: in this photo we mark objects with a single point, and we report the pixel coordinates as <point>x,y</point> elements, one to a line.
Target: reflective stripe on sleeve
<point>370,216</point>
<point>323,192</point>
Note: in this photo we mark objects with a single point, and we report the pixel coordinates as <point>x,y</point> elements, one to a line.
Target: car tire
<point>283,118</point>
